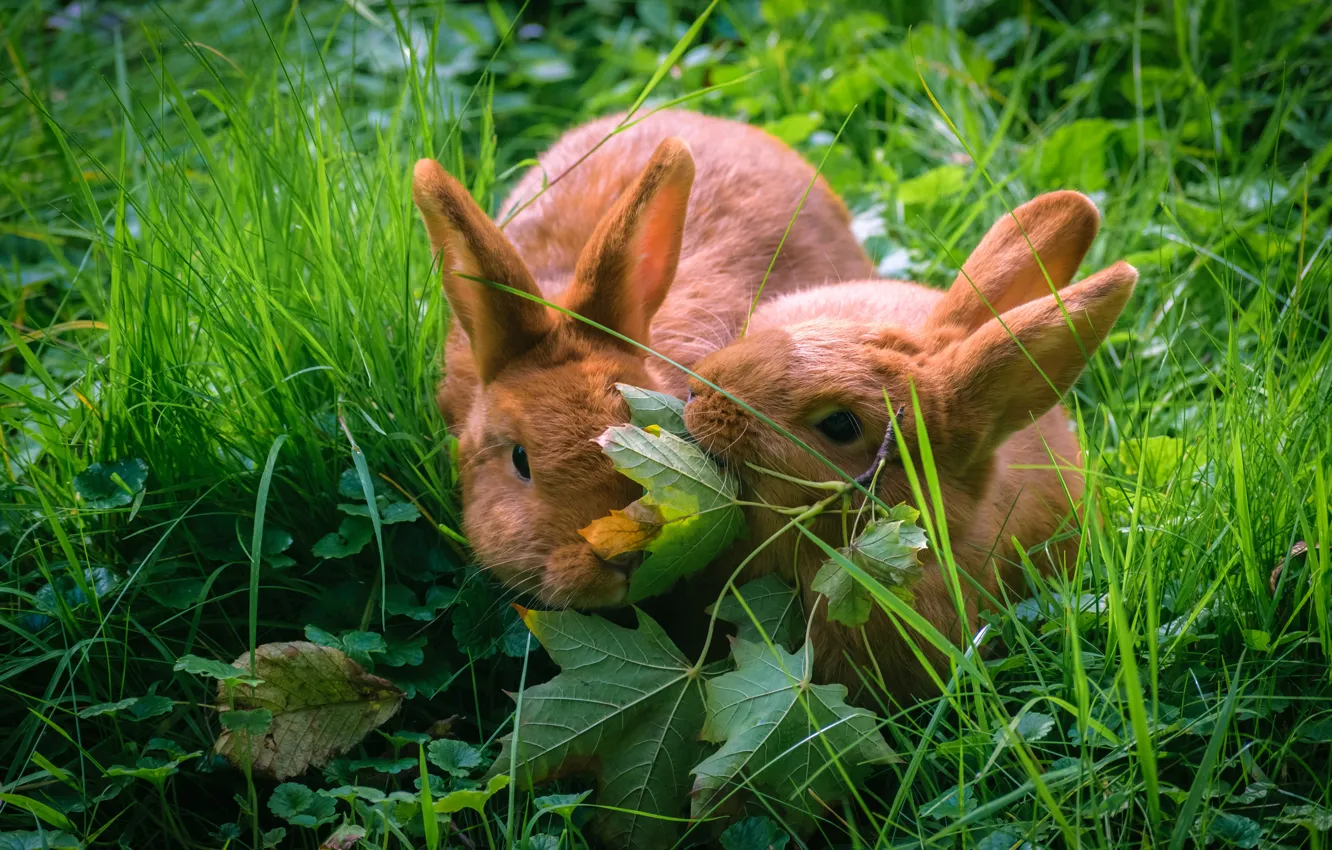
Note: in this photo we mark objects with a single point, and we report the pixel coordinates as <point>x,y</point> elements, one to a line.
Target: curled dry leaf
<point>629,530</point>
<point>322,703</point>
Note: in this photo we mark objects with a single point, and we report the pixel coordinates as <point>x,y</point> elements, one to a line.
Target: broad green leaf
<point>347,793</point>
<point>103,486</point>
<point>689,501</point>
<point>390,766</point>
<point>403,652</point>
<point>1029,726</point>
<point>774,604</point>
<point>457,758</point>
<point>932,186</point>
<point>425,680</point>
<point>950,804</point>
<point>1076,155</point>
<point>1310,816</point>
<point>345,837</point>
<point>627,706</point>
<point>154,769</point>
<point>360,646</point>
<point>48,840</point>
<point>351,537</point>
<point>389,512</point>
<point>888,549</point>
<point>322,703</point>
<point>274,837</point>
<point>107,707</point>
<point>560,804</point>
<point>782,733</point>
<point>217,669</point>
<point>1006,838</point>
<point>794,129</point>
<point>399,599</point>
<point>1235,830</point>
<point>754,833</point>
<point>299,806</point>
<point>272,549</point>
<point>349,486</point>
<point>152,705</point>
<point>472,798</point>
<point>647,407</point>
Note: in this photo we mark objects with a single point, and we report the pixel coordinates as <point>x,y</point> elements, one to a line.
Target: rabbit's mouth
<point>574,577</point>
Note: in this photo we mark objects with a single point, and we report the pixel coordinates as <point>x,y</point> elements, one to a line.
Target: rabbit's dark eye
<point>840,427</point>
<point>520,463</point>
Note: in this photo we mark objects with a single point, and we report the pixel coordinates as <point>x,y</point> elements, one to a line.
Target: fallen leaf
<point>322,703</point>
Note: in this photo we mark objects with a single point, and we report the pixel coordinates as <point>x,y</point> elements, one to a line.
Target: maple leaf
<point>647,407</point>
<point>782,733</point>
<point>888,549</point>
<point>776,610</point>
<point>627,706</point>
<point>687,517</point>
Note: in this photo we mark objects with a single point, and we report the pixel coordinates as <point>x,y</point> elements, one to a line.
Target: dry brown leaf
<point>629,530</point>
<point>323,703</point>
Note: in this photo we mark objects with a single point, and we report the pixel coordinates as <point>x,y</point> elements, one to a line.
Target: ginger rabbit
<point>818,363</point>
<point>642,239</point>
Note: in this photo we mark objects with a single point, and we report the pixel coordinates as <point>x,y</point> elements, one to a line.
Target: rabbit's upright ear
<point>1003,271</point>
<point>499,325</point>
<point>1015,367</point>
<point>627,266</point>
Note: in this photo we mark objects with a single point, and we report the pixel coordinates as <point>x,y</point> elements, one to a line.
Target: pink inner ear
<point>659,244</point>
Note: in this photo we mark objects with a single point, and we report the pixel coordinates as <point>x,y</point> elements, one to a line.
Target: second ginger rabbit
<point>989,360</point>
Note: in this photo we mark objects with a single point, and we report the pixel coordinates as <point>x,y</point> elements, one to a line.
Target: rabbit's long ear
<point>1015,367</point>
<point>627,266</point>
<point>1003,271</point>
<point>499,325</point>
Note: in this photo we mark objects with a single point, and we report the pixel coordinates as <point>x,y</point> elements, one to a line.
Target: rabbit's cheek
<point>576,578</point>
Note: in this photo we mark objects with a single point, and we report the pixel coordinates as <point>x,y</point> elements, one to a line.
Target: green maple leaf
<point>688,515</point>
<point>782,733</point>
<point>627,706</point>
<point>888,549</point>
<point>776,610</point>
<point>653,408</point>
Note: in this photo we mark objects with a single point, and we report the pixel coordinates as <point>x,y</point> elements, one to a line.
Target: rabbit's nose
<point>625,562</point>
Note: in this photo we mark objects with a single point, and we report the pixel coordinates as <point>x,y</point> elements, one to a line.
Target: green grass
<point>209,261</point>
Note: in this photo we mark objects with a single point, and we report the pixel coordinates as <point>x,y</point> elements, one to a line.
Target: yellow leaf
<point>629,530</point>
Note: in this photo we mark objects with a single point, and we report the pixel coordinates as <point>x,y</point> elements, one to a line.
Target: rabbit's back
<point>873,302</point>
<point>747,186</point>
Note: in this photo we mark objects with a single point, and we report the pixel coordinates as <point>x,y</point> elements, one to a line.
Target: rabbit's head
<point>994,355</point>
<point>528,388</point>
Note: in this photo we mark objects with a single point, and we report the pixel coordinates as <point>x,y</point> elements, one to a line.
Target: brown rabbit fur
<point>622,240</point>
<point>988,413</point>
